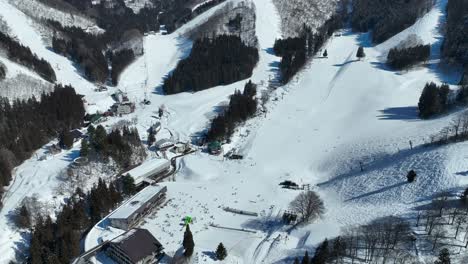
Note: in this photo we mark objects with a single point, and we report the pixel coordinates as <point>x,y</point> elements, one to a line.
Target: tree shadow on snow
<point>270,51</point>
<point>345,63</point>
<point>399,113</point>
<point>210,254</point>
<point>384,189</point>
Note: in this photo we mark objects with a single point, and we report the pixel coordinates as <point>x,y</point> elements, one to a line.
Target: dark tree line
<point>3,72</point>
<point>212,62</point>
<point>241,107</point>
<point>455,46</point>
<point>119,145</point>
<point>120,60</point>
<point>90,52</point>
<point>58,241</point>
<point>295,51</point>
<point>387,18</point>
<point>433,100</point>
<point>24,56</point>
<point>405,57</point>
<point>27,125</point>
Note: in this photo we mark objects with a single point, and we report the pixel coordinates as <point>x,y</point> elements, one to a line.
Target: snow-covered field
<point>336,113</point>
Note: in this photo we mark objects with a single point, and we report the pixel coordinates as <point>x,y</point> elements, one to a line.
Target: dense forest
<point>387,18</point>
<point>94,52</point>
<point>401,58</point>
<point>27,125</point>
<point>295,51</point>
<point>90,52</point>
<point>212,62</point>
<point>120,60</point>
<point>455,45</point>
<point>58,241</point>
<point>23,55</point>
<point>118,145</point>
<point>241,107</point>
<point>84,49</point>
<point>3,72</point>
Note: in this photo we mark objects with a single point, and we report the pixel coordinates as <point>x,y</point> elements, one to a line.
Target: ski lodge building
<point>135,246</point>
<point>148,170</point>
<point>133,210</point>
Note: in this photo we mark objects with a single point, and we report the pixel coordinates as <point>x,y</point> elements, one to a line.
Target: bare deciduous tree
<point>308,206</point>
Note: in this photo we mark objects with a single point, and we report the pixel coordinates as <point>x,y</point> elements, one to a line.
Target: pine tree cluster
<point>24,56</point>
<point>3,72</point>
<point>326,252</point>
<point>241,107</point>
<point>403,58</point>
<point>212,62</point>
<point>58,241</point>
<point>27,125</point>
<point>433,100</point>
<point>455,45</point>
<point>84,49</point>
<point>295,51</point>
<point>119,61</point>
<point>90,51</point>
<point>118,144</point>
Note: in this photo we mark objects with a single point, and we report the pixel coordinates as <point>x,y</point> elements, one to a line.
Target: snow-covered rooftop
<point>148,168</point>
<point>136,202</point>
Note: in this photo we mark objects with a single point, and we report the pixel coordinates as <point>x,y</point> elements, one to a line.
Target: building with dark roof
<point>136,246</point>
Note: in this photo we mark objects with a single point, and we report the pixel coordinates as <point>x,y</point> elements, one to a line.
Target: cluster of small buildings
<point>123,106</point>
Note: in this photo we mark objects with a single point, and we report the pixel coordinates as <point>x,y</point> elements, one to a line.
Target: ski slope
<point>336,113</point>
<point>27,33</point>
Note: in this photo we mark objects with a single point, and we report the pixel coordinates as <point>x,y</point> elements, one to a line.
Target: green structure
<point>188,220</point>
<point>214,147</point>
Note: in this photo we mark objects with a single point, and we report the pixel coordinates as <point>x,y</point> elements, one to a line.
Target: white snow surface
<point>23,28</point>
<point>336,113</point>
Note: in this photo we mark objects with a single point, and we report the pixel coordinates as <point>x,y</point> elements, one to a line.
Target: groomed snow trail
<point>334,114</point>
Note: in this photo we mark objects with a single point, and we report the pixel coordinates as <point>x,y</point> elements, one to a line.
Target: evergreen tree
<point>151,138</point>
<point>411,176</point>
<point>296,260</point>
<point>430,102</point>
<point>360,53</point>
<point>305,259</point>
<point>128,185</point>
<point>444,257</point>
<point>99,139</point>
<point>221,252</point>
<point>321,253</point>
<point>23,218</point>
<point>325,53</point>
<point>65,139</point>
<point>188,243</point>
<point>84,151</point>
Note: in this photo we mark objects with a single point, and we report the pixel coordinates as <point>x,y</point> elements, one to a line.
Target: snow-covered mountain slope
<point>295,13</point>
<point>38,10</point>
<point>20,82</point>
<point>23,27</point>
<point>336,113</point>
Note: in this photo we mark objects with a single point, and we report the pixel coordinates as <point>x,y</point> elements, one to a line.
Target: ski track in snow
<point>337,112</point>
